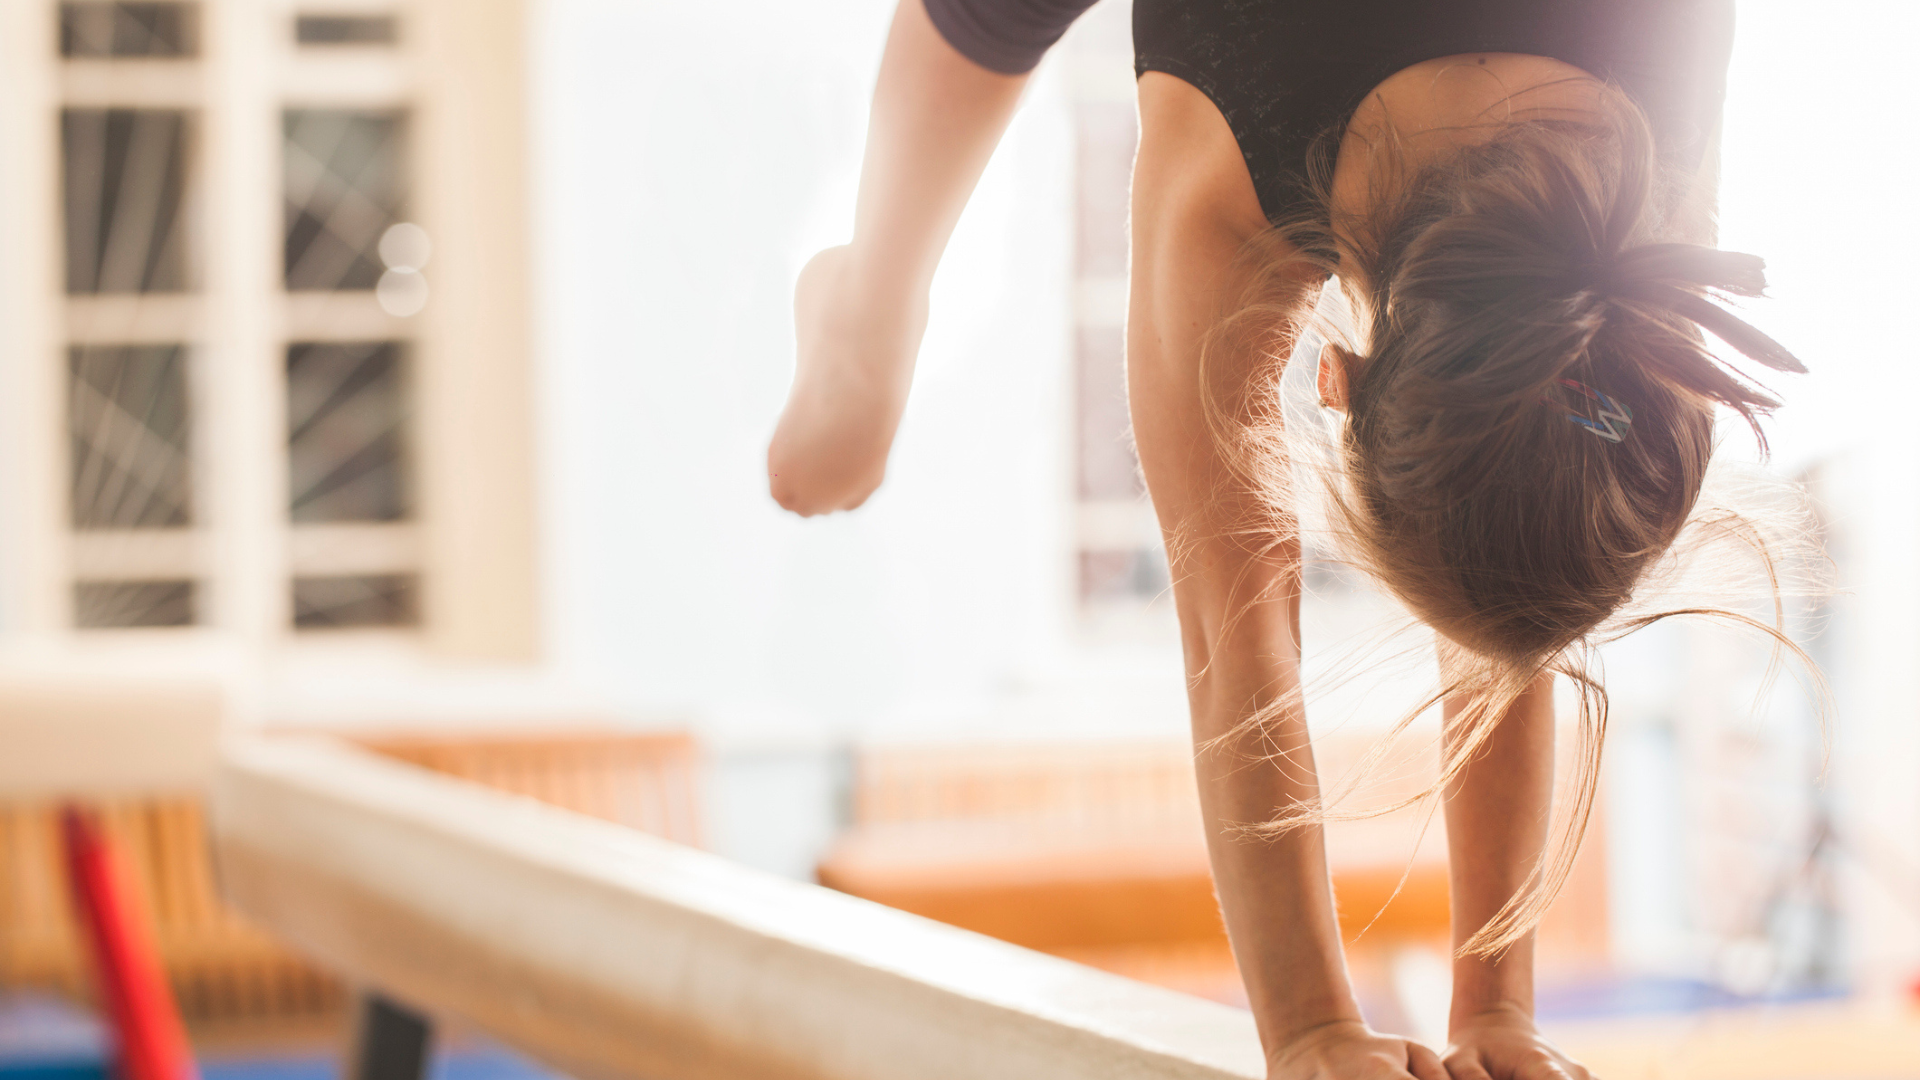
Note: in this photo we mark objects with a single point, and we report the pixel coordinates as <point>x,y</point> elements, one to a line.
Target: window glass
<point>124,177</point>
<point>321,603</point>
<point>1106,464</point>
<point>346,30</point>
<point>347,419</point>
<point>128,426</point>
<point>1137,574</point>
<point>345,185</point>
<point>107,30</point>
<point>104,605</point>
<point>1105,133</point>
<point>1118,565</point>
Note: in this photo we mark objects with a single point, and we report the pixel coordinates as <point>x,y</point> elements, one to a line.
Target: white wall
<point>690,158</point>
<point>1819,180</point>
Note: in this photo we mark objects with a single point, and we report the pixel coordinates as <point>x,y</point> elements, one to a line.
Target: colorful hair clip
<point>1613,419</point>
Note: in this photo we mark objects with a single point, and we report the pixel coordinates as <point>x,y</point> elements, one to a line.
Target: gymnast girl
<point>1516,199</point>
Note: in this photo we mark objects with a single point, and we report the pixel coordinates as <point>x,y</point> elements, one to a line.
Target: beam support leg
<point>391,1042</point>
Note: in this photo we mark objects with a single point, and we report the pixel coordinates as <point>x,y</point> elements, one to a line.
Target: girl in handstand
<point>1516,199</point>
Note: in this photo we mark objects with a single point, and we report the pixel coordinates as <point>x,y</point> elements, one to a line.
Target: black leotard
<point>1284,72</point>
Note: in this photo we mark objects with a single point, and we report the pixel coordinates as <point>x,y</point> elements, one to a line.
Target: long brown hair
<point>1531,410</point>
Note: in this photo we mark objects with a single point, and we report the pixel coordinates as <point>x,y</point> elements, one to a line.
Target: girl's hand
<point>1349,1050</point>
<point>1504,1044</point>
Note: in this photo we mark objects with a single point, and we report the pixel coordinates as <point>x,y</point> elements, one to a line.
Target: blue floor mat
<point>1651,995</point>
<point>470,1060</point>
<point>37,1024</point>
<point>44,1038</point>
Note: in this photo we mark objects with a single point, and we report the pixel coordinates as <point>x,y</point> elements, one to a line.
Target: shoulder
<point>1189,173</point>
<point>1189,162</point>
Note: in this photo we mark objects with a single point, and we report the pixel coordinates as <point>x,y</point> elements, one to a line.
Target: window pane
<point>372,600</point>
<point>1140,574</point>
<point>345,185</point>
<point>107,30</point>
<point>128,434</point>
<point>124,173</point>
<point>347,414</point>
<point>103,605</point>
<point>1105,136</point>
<point>346,30</point>
<point>1107,466</point>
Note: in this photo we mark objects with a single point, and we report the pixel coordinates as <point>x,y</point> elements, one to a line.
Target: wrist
<point>1300,1038</point>
<point>1304,1028</point>
<point>1492,987</point>
<point>1505,1013</point>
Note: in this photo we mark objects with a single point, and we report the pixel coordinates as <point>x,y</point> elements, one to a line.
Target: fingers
<point>1424,1064</point>
<point>1466,1066</point>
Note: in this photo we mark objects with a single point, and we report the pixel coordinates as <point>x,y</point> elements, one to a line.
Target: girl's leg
<point>859,310</point>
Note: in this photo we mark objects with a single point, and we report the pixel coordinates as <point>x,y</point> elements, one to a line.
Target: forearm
<point>1497,819</point>
<point>1275,895</point>
<point>936,119</point>
<point>1194,209</point>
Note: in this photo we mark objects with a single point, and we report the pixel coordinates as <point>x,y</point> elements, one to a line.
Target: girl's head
<point>1530,408</point>
<point>1530,401</point>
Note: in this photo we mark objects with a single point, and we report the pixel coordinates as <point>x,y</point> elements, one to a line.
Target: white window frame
<point>459,70</point>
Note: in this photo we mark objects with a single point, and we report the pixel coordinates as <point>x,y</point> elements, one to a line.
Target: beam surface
<point>609,953</point>
<point>88,734</point>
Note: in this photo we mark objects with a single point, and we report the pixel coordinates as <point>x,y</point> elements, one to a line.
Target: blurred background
<point>403,369</point>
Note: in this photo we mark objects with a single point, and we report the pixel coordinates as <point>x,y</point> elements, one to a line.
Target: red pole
<point>126,966</point>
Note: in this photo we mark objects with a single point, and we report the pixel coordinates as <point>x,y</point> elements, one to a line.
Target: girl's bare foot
<point>857,342</point>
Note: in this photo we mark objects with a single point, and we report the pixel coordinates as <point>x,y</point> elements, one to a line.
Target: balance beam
<point>609,953</point>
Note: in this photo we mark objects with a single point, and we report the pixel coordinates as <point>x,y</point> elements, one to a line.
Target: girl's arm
<point>1497,818</point>
<point>859,310</point>
<point>1496,829</point>
<point>1193,209</point>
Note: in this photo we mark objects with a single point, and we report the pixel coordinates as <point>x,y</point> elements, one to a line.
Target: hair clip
<point>1613,420</point>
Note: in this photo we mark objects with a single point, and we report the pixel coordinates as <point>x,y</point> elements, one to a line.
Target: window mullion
<point>243,383</point>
